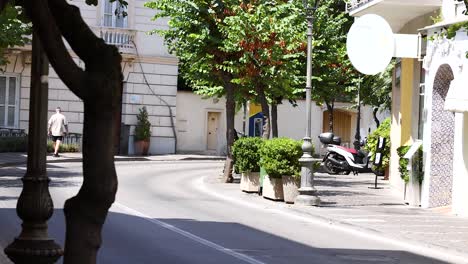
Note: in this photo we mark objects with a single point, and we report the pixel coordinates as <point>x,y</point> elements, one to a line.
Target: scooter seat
<point>350,150</point>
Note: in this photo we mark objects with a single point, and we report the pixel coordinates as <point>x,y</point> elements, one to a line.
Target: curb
<point>118,159</point>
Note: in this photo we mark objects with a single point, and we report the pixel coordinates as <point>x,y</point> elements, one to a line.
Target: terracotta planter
<point>273,188</point>
<point>387,173</point>
<point>141,147</point>
<point>250,182</point>
<point>290,188</point>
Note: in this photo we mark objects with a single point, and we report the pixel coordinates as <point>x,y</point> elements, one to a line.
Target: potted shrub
<point>246,160</point>
<point>280,158</point>
<point>418,173</point>
<point>372,140</point>
<point>142,133</point>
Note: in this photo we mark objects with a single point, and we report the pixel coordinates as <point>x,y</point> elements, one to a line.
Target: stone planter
<point>273,188</point>
<point>290,188</point>
<point>141,147</point>
<point>250,182</point>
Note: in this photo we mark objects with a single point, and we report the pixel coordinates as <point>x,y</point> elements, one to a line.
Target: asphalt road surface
<point>162,216</point>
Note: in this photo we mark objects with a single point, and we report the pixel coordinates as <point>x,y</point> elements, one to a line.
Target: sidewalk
<point>13,158</point>
<point>348,202</point>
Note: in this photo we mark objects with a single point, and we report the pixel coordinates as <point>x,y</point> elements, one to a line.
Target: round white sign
<point>370,44</point>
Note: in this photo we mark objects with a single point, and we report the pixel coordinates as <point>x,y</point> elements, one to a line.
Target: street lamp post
<point>35,207</point>
<point>307,192</point>
<point>357,137</point>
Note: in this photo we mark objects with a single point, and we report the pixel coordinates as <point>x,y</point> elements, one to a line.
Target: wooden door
<point>212,130</point>
<point>341,125</point>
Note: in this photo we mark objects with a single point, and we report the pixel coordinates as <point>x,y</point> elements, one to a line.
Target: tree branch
<point>75,30</point>
<point>51,39</point>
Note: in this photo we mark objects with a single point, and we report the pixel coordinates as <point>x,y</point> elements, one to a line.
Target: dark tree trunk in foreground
<point>265,111</point>
<point>330,108</point>
<point>274,117</point>
<point>274,120</point>
<point>99,86</point>
<point>374,114</point>
<point>230,133</point>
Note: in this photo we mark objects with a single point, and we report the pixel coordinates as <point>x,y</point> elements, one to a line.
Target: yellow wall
<point>407,75</point>
<point>254,109</point>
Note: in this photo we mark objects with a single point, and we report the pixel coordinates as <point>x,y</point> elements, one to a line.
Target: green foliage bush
<point>63,147</point>
<point>418,162</point>
<point>280,156</point>
<point>403,163</point>
<point>143,126</point>
<point>373,139</point>
<point>246,153</point>
<point>13,144</point>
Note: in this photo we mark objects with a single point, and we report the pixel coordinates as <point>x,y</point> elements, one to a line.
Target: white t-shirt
<point>57,123</point>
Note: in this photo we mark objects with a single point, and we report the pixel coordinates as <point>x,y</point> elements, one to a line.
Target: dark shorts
<point>54,138</point>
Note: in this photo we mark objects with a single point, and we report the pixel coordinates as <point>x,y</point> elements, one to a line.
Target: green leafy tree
<point>195,36</point>
<point>14,30</point>
<point>334,76</point>
<point>270,37</point>
<point>376,91</point>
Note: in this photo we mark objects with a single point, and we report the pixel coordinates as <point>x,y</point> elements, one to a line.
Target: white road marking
<point>191,236</point>
<point>433,252</point>
<point>363,220</point>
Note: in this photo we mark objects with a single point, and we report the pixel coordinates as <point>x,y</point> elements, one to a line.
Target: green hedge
<point>246,154</point>
<point>280,156</point>
<point>372,140</point>
<point>63,147</point>
<point>13,144</point>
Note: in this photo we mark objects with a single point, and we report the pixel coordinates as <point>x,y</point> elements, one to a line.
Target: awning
<point>457,96</point>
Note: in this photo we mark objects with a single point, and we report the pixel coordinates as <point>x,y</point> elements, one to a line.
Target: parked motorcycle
<point>342,160</point>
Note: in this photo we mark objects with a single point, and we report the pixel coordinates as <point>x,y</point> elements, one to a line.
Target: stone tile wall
<point>442,140</point>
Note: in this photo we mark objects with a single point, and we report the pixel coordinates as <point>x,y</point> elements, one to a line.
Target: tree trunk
<point>274,120</point>
<point>330,108</point>
<point>99,86</point>
<point>265,111</point>
<point>230,133</point>
<point>374,114</point>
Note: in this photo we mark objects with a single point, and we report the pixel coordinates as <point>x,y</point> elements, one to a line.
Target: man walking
<point>57,127</point>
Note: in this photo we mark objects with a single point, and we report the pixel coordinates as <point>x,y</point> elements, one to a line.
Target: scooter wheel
<point>329,167</point>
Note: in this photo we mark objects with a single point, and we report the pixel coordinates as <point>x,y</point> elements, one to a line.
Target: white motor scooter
<point>342,160</point>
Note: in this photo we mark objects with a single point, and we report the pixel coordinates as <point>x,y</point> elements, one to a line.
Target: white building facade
<point>446,127</point>
<point>150,77</point>
<point>201,122</point>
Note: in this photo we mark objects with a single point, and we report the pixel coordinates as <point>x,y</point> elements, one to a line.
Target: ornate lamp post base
<point>30,251</point>
<point>307,193</point>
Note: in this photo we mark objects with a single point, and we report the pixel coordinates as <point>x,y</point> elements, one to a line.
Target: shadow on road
<point>10,177</point>
<point>129,239</point>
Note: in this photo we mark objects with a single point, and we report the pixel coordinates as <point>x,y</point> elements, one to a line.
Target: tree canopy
<point>14,30</point>
<point>335,77</point>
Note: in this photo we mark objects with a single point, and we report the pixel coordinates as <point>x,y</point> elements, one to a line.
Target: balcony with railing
<point>396,12</point>
<point>123,38</point>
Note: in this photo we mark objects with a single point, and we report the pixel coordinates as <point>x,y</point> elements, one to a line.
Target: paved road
<point>162,216</point>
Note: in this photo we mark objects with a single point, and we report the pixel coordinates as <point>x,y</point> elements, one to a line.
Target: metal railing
<point>353,4</point>
<point>12,132</point>
<point>123,38</point>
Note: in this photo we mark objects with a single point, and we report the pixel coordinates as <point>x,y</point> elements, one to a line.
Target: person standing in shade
<point>58,128</point>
